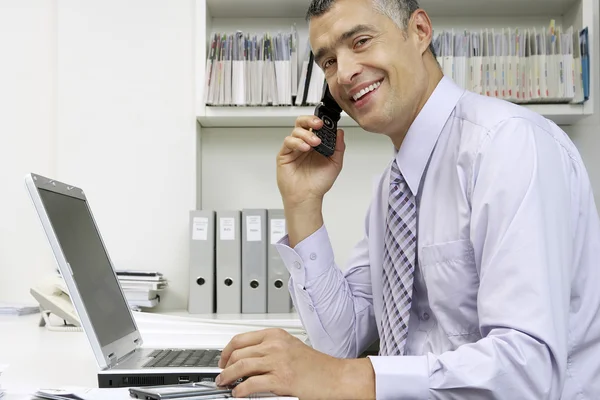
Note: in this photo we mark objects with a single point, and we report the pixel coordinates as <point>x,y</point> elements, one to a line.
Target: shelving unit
<point>279,15</point>
<point>254,134</point>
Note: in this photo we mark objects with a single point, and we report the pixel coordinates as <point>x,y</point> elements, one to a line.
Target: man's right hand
<point>303,175</point>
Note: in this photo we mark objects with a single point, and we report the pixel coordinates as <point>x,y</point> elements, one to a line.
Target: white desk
<point>39,358</point>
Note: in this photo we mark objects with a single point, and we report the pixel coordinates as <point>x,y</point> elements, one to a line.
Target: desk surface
<point>39,358</point>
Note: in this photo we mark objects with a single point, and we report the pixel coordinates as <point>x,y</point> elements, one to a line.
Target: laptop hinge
<point>112,360</point>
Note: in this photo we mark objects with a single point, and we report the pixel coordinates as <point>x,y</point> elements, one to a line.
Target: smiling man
<point>479,266</point>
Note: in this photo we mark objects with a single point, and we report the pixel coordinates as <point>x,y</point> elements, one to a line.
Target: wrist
<point>302,219</point>
<point>356,379</point>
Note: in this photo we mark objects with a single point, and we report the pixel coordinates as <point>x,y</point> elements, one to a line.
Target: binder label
<point>200,228</point>
<point>277,230</point>
<point>253,228</point>
<point>227,228</point>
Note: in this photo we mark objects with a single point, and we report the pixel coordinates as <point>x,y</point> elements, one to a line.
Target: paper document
<point>112,394</point>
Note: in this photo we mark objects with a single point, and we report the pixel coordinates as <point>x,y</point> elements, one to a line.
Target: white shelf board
<point>298,8</point>
<point>562,114</point>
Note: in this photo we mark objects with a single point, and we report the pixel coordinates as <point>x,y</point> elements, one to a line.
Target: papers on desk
<point>142,288</point>
<point>18,308</point>
<point>2,368</point>
<point>80,393</point>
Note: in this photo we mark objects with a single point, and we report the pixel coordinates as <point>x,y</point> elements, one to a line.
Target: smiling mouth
<point>366,91</point>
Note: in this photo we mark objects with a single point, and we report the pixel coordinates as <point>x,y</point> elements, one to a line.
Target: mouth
<point>362,97</point>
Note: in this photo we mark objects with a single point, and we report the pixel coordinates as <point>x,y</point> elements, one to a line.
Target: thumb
<point>340,147</point>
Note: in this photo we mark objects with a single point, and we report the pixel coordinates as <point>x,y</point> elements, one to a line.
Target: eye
<point>361,42</point>
<point>327,63</point>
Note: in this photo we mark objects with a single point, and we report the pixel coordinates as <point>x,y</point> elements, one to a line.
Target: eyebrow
<point>343,37</point>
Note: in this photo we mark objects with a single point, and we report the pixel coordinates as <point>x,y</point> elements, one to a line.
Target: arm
<point>520,230</point>
<point>336,308</point>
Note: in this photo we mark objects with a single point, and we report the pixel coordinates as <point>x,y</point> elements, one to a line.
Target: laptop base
<point>119,379</point>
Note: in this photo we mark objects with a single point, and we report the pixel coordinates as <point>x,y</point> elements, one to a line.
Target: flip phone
<point>329,112</point>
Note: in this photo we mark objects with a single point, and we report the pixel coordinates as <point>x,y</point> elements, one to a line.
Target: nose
<point>347,69</point>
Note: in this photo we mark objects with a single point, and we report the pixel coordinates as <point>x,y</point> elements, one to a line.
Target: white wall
<point>99,94</point>
<point>126,127</point>
<point>27,137</point>
<point>586,134</point>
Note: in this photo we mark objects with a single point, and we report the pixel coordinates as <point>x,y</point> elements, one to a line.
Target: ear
<point>420,26</point>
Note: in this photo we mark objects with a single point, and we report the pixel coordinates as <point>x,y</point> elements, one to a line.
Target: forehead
<point>341,17</point>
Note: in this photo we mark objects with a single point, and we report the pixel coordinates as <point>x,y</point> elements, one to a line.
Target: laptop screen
<point>92,272</point>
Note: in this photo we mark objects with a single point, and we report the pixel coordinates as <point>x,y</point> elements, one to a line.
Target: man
<point>478,270</point>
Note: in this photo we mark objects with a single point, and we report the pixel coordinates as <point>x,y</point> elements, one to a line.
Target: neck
<point>434,76</point>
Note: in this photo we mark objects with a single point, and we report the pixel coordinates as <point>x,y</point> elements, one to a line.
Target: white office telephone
<point>54,299</point>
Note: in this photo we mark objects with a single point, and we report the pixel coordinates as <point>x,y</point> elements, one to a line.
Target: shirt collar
<point>413,156</point>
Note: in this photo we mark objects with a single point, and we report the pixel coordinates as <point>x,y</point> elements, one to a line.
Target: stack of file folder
<point>260,70</point>
<point>545,65</point>
<point>521,66</point>
<point>142,288</point>
<point>234,265</point>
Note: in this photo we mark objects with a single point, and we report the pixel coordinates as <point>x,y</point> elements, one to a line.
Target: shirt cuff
<point>309,259</point>
<point>401,377</point>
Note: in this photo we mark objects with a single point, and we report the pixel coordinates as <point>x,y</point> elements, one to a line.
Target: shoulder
<point>501,126</point>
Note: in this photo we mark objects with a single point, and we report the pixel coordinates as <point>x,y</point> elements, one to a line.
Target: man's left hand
<point>275,361</point>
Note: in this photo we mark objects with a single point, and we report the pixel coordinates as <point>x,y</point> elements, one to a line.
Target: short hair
<point>398,11</point>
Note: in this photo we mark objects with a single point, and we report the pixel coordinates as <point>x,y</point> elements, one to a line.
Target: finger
<point>296,144</point>
<point>340,147</point>
<point>247,352</point>
<point>308,121</point>
<point>239,342</point>
<point>259,384</point>
<point>244,368</point>
<point>307,136</point>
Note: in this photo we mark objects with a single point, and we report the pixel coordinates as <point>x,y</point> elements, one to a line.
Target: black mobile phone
<point>189,391</point>
<point>329,112</point>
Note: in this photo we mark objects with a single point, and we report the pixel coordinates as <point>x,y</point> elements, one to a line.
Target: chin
<point>373,124</point>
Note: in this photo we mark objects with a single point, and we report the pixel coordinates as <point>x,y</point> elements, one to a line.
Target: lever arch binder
<point>278,295</point>
<point>201,299</point>
<point>254,260</point>
<point>229,262</point>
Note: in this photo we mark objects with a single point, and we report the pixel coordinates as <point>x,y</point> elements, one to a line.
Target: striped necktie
<point>398,265</point>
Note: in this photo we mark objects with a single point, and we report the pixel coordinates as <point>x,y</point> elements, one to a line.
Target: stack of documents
<point>521,66</point>
<point>142,288</point>
<point>259,70</point>
<point>18,309</point>
<point>2,368</point>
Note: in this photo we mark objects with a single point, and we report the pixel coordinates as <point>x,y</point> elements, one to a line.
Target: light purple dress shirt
<point>507,288</point>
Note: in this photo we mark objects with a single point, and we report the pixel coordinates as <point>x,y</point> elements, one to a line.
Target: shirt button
<point>313,256</point>
<point>297,265</point>
<point>425,316</point>
<point>311,308</point>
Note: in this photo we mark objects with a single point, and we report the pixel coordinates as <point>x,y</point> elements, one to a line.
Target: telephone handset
<point>329,112</point>
<point>54,299</point>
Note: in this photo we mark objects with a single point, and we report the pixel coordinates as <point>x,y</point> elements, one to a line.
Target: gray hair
<point>398,11</point>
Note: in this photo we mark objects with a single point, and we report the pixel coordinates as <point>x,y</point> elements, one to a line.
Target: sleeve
<point>521,233</point>
<point>336,308</point>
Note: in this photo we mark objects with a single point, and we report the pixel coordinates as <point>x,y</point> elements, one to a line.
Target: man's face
<point>374,71</point>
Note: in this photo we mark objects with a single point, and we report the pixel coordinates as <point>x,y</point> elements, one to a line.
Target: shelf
<point>297,8</point>
<point>562,114</point>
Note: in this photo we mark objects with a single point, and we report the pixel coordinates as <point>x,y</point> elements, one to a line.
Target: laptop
<point>99,300</point>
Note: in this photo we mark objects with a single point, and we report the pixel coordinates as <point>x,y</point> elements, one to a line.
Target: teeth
<point>366,90</point>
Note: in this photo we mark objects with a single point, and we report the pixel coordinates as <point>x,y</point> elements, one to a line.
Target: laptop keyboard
<point>183,358</point>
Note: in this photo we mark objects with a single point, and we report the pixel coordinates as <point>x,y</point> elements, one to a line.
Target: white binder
<point>201,298</point>
<point>229,262</point>
<point>254,261</point>
<point>278,295</point>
